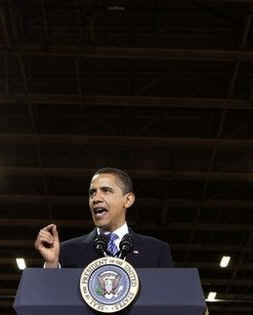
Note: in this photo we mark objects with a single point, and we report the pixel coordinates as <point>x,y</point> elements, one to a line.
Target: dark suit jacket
<point>148,252</point>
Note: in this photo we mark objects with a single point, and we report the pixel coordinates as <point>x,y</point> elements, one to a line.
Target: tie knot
<point>113,237</point>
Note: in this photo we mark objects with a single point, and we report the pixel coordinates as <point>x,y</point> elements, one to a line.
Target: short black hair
<point>125,184</point>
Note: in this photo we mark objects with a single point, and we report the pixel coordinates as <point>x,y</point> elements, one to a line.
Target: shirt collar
<point>121,231</point>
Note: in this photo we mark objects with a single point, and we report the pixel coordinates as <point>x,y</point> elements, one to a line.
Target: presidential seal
<point>109,284</point>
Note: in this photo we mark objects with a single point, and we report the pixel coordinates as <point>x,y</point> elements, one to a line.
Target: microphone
<point>100,243</point>
<point>126,245</point>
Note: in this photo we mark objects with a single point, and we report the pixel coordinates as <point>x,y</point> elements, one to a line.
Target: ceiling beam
<point>7,291</point>
<point>11,223</point>
<point>43,222</point>
<point>136,174</point>
<point>132,53</point>
<point>229,309</point>
<point>10,276</point>
<point>17,243</point>
<point>130,101</point>
<point>212,266</point>
<point>223,282</point>
<point>214,247</point>
<point>140,202</point>
<point>12,261</point>
<point>123,141</point>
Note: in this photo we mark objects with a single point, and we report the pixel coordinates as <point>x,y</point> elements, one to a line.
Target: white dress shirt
<point>121,231</point>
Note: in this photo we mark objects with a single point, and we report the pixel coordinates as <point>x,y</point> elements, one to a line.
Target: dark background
<point>162,89</point>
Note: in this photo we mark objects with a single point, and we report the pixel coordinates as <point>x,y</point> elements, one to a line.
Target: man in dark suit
<point>110,195</point>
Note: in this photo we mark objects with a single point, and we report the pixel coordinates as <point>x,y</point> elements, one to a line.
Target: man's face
<point>107,202</point>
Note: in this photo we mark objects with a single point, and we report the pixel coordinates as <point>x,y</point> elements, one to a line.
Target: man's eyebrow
<point>91,190</point>
<point>106,187</point>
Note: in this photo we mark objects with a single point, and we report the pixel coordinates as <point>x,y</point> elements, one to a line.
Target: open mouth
<point>99,211</point>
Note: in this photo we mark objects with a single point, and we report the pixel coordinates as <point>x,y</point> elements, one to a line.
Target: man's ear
<point>130,199</point>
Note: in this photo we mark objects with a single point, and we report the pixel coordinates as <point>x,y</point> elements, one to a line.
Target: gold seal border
<point>98,263</point>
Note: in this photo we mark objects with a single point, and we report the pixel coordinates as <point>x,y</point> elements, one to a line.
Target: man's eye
<point>107,189</point>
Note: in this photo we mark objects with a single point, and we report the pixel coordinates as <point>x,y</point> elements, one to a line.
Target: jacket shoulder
<point>81,240</point>
<point>150,239</point>
<point>158,252</point>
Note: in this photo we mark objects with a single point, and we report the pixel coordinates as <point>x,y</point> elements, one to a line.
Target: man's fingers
<point>48,227</point>
<point>55,232</point>
<point>41,243</point>
<point>46,236</point>
<point>50,230</point>
<point>43,239</point>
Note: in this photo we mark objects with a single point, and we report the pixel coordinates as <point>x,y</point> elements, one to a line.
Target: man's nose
<point>96,198</point>
<point>95,201</point>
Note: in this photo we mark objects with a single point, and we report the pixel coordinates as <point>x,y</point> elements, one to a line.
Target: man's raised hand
<point>48,244</point>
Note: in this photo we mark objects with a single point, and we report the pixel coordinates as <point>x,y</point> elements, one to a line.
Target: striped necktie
<point>111,247</point>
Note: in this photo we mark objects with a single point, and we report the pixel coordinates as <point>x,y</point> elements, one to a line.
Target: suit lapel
<point>88,242</point>
<point>135,256</point>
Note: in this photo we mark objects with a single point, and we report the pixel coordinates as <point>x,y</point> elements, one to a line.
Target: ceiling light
<point>224,261</point>
<point>21,263</point>
<point>211,296</point>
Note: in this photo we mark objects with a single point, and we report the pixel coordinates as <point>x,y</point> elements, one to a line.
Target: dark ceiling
<point>162,89</point>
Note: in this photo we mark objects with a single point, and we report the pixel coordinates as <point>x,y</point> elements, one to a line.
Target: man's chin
<point>101,224</point>
<point>104,226</point>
